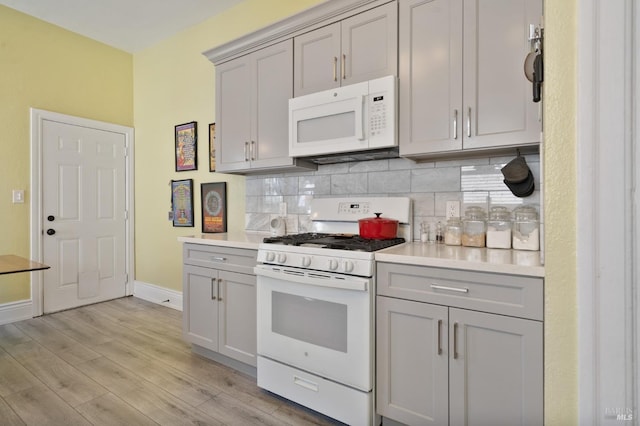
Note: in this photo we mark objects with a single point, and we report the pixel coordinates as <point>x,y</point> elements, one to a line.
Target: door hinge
<point>126,278</point>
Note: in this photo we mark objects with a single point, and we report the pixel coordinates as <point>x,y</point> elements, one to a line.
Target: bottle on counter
<point>453,232</point>
<point>499,228</point>
<point>439,233</point>
<point>526,229</point>
<point>474,227</point>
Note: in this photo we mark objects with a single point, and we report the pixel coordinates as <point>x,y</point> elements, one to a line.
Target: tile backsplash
<point>430,185</point>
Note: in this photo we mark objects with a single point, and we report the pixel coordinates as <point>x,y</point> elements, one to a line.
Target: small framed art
<point>212,147</point>
<point>182,202</point>
<point>186,136</point>
<point>214,207</point>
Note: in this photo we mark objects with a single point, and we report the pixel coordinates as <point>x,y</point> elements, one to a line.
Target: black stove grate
<point>334,241</point>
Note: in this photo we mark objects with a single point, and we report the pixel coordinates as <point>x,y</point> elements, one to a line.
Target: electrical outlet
<point>452,209</point>
<point>283,209</point>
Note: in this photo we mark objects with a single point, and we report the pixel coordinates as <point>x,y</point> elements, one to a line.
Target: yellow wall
<point>46,67</point>
<point>175,83</point>
<point>561,337</point>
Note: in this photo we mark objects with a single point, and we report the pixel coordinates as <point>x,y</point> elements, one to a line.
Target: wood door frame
<point>37,118</point>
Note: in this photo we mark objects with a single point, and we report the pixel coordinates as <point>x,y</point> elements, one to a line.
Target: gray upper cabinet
<point>252,95</point>
<point>359,48</point>
<point>462,85</point>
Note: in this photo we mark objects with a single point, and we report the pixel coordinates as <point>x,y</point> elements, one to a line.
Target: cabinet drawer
<point>225,258</point>
<point>501,294</point>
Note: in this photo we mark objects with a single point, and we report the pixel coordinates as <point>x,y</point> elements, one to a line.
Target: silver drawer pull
<point>219,259</point>
<point>442,287</point>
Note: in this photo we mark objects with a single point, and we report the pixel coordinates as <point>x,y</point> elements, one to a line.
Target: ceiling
<point>129,25</point>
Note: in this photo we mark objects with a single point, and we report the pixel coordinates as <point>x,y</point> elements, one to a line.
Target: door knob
<point>50,218</point>
<point>51,231</point>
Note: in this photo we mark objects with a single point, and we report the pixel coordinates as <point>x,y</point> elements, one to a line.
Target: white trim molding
<point>606,251</point>
<point>15,311</point>
<point>159,295</point>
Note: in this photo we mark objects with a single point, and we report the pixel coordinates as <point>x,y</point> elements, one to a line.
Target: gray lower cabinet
<point>444,365</point>
<point>219,311</point>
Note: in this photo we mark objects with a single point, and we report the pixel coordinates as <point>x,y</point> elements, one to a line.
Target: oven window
<point>327,127</point>
<point>310,320</point>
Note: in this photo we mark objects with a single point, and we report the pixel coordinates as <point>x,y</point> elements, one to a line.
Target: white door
<point>83,215</point>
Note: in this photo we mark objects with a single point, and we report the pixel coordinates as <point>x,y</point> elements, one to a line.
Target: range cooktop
<point>334,241</point>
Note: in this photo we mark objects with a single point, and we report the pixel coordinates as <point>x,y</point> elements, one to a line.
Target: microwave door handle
<point>360,118</point>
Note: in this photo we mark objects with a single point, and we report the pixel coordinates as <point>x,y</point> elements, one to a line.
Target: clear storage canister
<point>499,228</point>
<point>474,227</point>
<point>453,232</point>
<point>526,229</point>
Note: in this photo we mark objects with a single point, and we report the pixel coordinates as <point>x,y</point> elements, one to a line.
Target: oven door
<point>318,322</point>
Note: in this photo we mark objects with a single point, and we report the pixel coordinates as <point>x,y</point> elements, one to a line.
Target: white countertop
<point>501,261</point>
<point>516,262</point>
<point>246,240</point>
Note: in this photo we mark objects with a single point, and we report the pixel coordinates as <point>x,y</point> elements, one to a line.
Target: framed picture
<point>182,202</point>
<point>212,147</point>
<point>214,207</point>
<point>186,136</point>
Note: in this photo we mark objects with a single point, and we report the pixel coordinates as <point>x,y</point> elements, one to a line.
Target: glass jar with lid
<point>499,228</point>
<point>453,232</point>
<point>526,229</point>
<point>474,227</point>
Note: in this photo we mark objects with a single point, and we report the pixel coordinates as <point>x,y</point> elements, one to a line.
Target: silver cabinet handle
<point>344,67</point>
<point>213,280</point>
<point>442,287</point>
<point>218,259</point>
<point>439,337</point>
<point>455,124</point>
<point>252,150</point>
<point>469,122</point>
<point>219,284</point>
<point>455,340</point>
<point>335,68</point>
<point>246,148</point>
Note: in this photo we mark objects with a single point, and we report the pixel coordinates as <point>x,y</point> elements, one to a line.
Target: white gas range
<point>316,308</point>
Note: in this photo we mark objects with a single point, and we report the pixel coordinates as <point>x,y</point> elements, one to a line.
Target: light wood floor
<point>124,362</point>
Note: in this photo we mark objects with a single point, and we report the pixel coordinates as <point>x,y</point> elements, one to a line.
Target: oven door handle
<point>303,277</point>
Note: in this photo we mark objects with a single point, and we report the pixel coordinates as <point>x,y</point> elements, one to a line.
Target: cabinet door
<point>233,114</point>
<point>237,318</point>
<point>498,98</point>
<point>273,86</point>
<point>430,76</point>
<point>496,369</point>
<point>200,307</point>
<point>412,365</point>
<point>317,60</point>
<point>370,45</point>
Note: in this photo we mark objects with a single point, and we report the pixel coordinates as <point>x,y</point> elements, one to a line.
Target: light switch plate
<point>18,196</point>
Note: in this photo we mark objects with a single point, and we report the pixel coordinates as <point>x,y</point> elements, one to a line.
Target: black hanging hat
<point>518,177</point>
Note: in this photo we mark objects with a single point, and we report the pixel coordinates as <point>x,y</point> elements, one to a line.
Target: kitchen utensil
<point>528,66</point>
<point>378,228</point>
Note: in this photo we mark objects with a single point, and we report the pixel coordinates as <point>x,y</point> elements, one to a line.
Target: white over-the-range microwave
<point>349,119</point>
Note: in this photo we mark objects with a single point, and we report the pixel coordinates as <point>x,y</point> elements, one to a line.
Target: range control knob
<point>306,261</point>
<point>282,257</point>
<point>333,264</point>
<point>270,257</point>
<point>348,266</point>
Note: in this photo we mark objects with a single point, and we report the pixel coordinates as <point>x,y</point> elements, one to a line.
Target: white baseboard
<point>16,311</point>
<point>156,294</point>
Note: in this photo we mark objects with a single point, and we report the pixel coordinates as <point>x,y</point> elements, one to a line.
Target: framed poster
<point>214,207</point>
<point>186,136</point>
<point>212,147</point>
<point>182,202</point>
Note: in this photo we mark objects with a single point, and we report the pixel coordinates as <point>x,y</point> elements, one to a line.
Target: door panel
<point>237,321</point>
<point>503,351</point>
<point>84,189</point>
<point>317,60</point>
